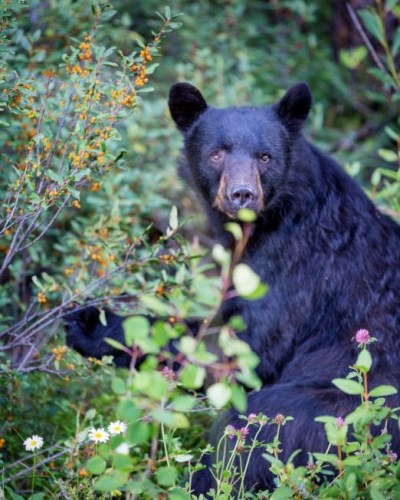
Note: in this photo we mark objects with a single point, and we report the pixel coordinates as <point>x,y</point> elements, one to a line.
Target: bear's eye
<point>265,158</point>
<point>217,156</point>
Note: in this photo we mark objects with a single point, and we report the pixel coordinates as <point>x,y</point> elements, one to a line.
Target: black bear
<point>330,258</point>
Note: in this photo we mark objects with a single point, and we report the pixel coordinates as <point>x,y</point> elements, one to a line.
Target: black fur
<point>330,258</point>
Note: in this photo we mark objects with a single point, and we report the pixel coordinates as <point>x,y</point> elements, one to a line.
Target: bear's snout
<point>242,196</point>
<point>235,193</point>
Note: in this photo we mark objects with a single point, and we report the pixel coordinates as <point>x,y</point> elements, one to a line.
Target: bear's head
<point>238,157</point>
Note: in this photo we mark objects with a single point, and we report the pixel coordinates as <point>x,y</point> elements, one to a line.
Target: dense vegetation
<point>89,193</point>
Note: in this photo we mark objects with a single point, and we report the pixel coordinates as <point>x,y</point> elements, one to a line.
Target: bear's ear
<point>294,106</point>
<point>186,104</point>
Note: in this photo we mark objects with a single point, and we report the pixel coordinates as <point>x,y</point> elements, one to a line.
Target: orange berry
<point>41,298</point>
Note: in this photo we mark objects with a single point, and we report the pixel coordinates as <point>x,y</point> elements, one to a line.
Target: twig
<point>63,493</point>
<point>365,38</point>
<point>29,469</point>
<point>46,228</point>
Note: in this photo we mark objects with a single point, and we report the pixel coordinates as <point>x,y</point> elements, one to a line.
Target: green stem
<point>217,478</point>
<point>229,464</point>
<point>385,45</point>
<point>33,472</point>
<point>163,435</point>
<point>276,441</point>
<point>164,443</point>
<point>241,490</point>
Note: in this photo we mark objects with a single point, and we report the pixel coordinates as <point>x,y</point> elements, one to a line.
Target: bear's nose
<point>242,196</point>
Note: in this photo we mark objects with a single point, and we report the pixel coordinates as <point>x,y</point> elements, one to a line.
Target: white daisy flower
<point>98,435</point>
<point>117,427</point>
<point>33,443</point>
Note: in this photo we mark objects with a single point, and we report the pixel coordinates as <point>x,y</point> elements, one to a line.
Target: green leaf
<point>90,414</point>
<point>352,58</point>
<point>155,305</point>
<point>364,361</point>
<point>348,386</point>
<point>382,390</point>
<point>259,292</point>
<point>376,178</point>
<point>219,394</point>
<point>381,441</point>
<point>373,23</point>
<point>396,43</point>
<point>246,215</point>
<point>351,447</point>
<point>180,275</point>
<point>75,194</point>
<point>54,177</point>
<point>239,398</point>
<point>235,230</point>
<point>150,383</point>
<point>96,465</point>
<point>352,461</point>
<point>114,343</point>
<point>164,417</point>
<point>282,493</point>
<point>220,254</point>
<point>118,385</point>
<point>82,436</point>
<point>336,435</point>
<point>183,458</point>
<point>35,199</point>
<point>187,345</point>
<point>178,494</point>
<point>273,461</point>
<point>245,280</point>
<point>184,403</point>
<point>111,482</point>
<point>173,219</point>
<point>166,476</point>
<point>192,376</point>
<point>351,484</point>
<point>181,421</point>
<point>81,174</point>
<point>390,132</point>
<point>375,494</point>
<point>106,15</point>
<point>391,174</point>
<point>135,328</point>
<point>326,419</point>
<point>122,462</point>
<point>326,457</point>
<point>137,433</point>
<point>360,417</point>
<point>127,410</point>
<point>36,282</point>
<point>102,317</point>
<point>391,4</point>
<point>38,138</point>
<point>174,25</point>
<point>398,471</point>
<point>388,155</point>
<point>167,13</point>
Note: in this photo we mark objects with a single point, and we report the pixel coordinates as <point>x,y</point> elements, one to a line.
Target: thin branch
<point>365,38</point>
<point>61,207</point>
<point>11,251</point>
<point>29,469</point>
